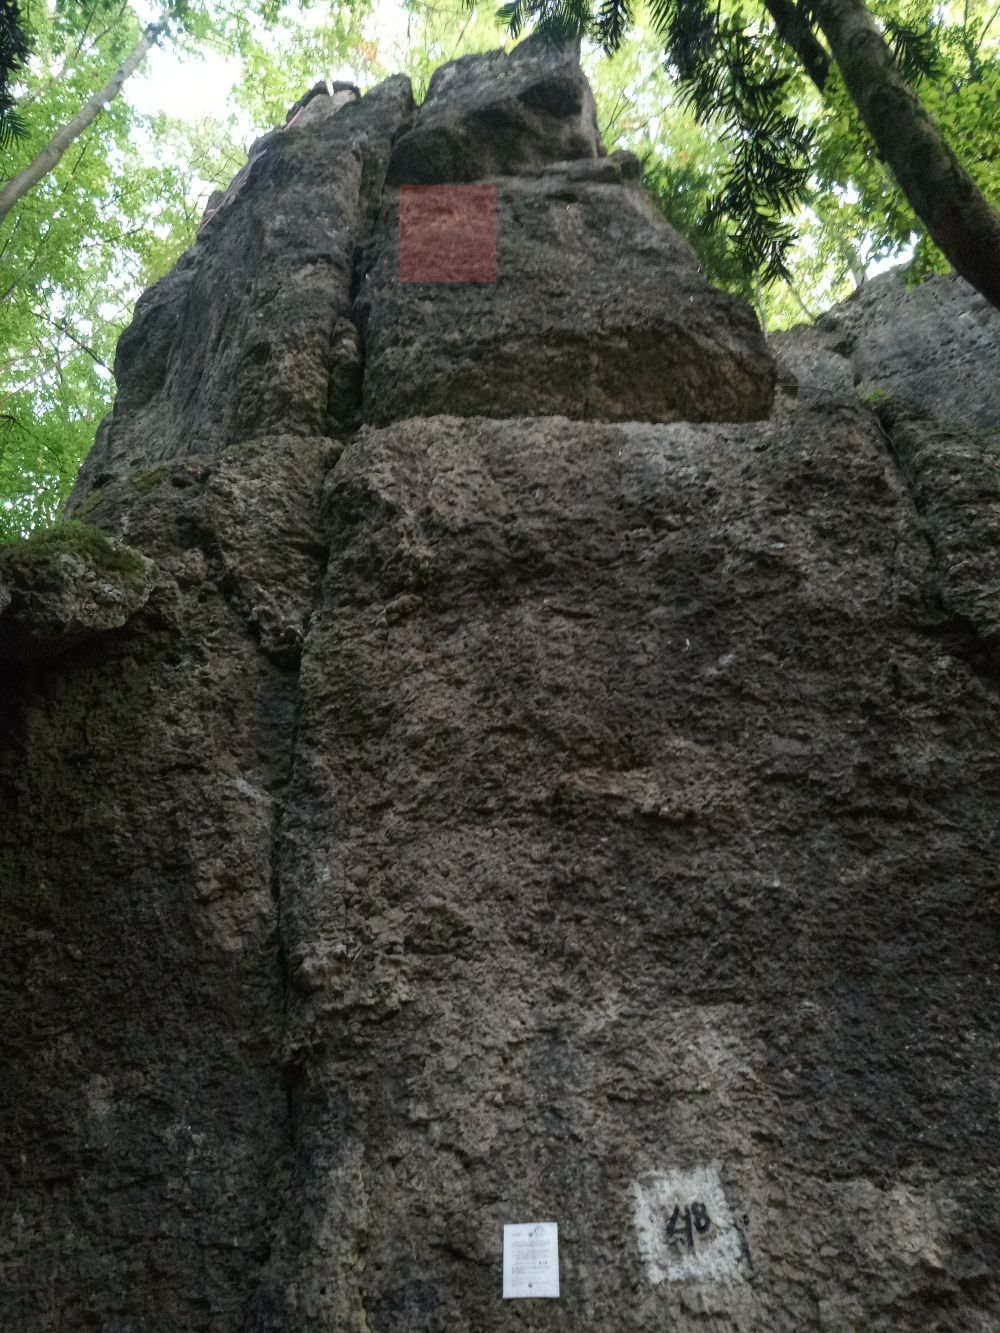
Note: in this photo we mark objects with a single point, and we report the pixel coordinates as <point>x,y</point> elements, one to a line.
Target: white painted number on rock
<point>530,1260</point>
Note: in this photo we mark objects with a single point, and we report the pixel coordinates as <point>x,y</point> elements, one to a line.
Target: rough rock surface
<point>619,844</point>
<point>251,334</point>
<point>497,115</point>
<point>936,345</point>
<point>495,819</point>
<point>599,311</point>
<point>954,477</point>
<point>56,594</point>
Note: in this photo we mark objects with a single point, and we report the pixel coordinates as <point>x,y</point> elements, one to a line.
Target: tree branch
<point>50,156</point>
<point>956,213</point>
<point>795,30</point>
<point>986,27</point>
<point>61,326</point>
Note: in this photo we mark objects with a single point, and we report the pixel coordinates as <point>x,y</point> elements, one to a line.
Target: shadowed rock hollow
<point>492,769</point>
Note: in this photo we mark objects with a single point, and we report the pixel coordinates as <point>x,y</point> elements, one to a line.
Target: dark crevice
<point>265,1308</point>
<point>260,1314</point>
<point>918,443</point>
<point>345,387</point>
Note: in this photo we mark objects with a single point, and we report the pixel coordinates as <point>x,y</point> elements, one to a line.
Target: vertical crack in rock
<point>212,464</point>
<point>251,335</point>
<point>952,475</point>
<point>265,1304</point>
<point>466,820</point>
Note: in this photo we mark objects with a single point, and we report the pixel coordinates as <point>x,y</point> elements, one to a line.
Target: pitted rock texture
<point>619,844</point>
<point>954,476</point>
<point>493,115</point>
<point>57,593</point>
<point>248,519</point>
<point>142,1110</point>
<point>936,346</point>
<point>251,334</point>
<point>485,819</point>
<point>598,311</point>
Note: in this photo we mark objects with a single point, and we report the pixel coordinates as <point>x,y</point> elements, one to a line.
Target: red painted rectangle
<point>448,233</point>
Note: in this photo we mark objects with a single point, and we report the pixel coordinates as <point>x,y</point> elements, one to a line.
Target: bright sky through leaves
<point>128,198</point>
<point>192,87</point>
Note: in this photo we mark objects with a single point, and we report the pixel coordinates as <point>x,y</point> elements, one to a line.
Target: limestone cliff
<point>489,766</point>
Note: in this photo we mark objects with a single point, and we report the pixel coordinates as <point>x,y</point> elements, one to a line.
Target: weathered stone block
<point>936,345</point>
<point>496,114</point>
<point>599,311</point>
<point>62,587</point>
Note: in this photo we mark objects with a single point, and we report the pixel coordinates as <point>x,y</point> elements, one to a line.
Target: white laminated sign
<point>530,1260</point>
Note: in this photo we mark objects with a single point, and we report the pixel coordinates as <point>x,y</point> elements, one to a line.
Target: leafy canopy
<point>788,155</point>
<point>110,219</point>
<point>14,48</point>
<point>741,151</point>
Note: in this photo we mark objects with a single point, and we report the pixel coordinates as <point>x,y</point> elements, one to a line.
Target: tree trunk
<point>795,31</point>
<point>956,213</point>
<point>810,315</point>
<point>49,157</point>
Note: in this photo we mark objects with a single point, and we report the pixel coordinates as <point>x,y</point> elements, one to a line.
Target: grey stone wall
<point>570,795</point>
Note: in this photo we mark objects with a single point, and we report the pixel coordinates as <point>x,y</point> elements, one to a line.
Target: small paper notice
<point>530,1260</point>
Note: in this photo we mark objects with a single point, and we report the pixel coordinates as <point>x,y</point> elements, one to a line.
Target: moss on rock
<point>149,480</point>
<point>73,538</point>
<point>62,586</point>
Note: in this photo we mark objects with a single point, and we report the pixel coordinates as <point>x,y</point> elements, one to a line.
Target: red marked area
<point>448,233</point>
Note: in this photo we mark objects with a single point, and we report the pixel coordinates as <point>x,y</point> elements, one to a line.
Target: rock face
<point>498,115</point>
<point>598,312</point>
<point>936,346</point>
<point>251,334</point>
<point>598,309</point>
<point>55,593</point>
<point>509,810</point>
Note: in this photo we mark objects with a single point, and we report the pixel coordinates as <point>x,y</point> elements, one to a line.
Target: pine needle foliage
<point>14,51</point>
<point>733,72</point>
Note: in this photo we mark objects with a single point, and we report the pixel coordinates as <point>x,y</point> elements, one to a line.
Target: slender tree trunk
<point>855,265</point>
<point>810,315</point>
<point>51,154</point>
<point>795,31</point>
<point>943,195</point>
